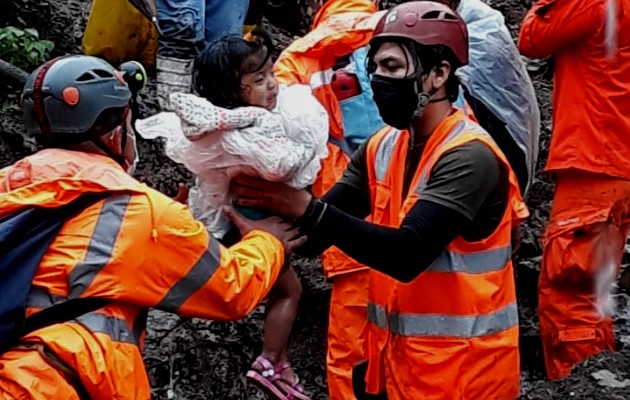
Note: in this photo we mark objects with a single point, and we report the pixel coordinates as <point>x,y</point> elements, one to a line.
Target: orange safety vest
<point>138,248</point>
<point>452,333</point>
<point>339,28</point>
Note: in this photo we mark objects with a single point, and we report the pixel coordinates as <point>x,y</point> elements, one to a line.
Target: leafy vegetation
<point>23,47</point>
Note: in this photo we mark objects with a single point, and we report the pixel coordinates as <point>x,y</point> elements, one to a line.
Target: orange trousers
<point>583,246</point>
<point>25,375</point>
<point>347,321</point>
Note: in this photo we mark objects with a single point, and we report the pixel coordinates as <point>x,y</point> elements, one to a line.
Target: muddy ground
<point>192,359</point>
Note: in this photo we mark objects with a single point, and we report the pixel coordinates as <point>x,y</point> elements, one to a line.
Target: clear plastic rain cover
<point>497,76</point>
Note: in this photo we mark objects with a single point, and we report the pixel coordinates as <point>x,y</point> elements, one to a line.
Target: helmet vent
<point>88,76</point>
<point>102,73</point>
<point>432,15</point>
<point>438,14</point>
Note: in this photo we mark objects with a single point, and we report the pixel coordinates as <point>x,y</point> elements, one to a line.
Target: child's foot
<point>278,381</point>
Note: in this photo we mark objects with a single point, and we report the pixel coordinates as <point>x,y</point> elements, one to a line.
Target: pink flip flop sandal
<point>270,381</point>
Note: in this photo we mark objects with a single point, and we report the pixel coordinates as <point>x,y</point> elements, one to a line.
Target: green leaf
<point>33,32</point>
<point>23,48</point>
<point>48,45</point>
<point>17,32</point>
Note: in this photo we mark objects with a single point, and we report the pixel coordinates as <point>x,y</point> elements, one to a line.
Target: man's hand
<point>275,197</point>
<point>282,230</point>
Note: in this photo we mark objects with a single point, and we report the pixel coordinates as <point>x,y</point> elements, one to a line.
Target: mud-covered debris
<point>608,379</point>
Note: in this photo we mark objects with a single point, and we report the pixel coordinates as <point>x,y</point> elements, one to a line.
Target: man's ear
<point>441,74</point>
<point>113,139</point>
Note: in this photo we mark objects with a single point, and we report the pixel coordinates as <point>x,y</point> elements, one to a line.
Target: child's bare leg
<point>281,310</point>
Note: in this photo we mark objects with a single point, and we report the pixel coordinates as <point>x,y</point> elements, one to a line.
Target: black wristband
<point>312,216</point>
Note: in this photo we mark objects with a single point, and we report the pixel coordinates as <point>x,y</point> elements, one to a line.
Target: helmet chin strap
<point>424,99</point>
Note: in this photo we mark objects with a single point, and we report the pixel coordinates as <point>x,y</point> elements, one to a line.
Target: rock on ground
<point>195,359</point>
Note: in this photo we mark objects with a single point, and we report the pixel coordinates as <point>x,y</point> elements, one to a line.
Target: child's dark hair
<point>222,65</point>
<point>429,57</point>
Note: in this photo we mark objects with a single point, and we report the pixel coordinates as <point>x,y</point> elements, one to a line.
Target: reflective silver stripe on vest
<point>435,325</point>
<point>458,129</point>
<point>321,78</point>
<point>40,298</point>
<point>116,328</point>
<point>198,276</point>
<point>377,315</point>
<point>479,262</point>
<point>101,245</point>
<point>384,154</point>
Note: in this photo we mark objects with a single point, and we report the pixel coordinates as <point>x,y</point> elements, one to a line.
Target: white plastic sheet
<point>286,145</point>
<point>497,76</point>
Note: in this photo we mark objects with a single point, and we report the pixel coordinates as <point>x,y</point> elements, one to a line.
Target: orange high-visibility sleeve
<point>288,71</point>
<point>242,281</point>
<point>552,25</point>
<point>190,272</point>
<point>229,282</point>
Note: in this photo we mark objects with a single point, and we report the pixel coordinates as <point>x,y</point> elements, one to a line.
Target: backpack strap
<point>62,312</point>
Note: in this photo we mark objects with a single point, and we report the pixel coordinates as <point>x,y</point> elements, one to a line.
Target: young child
<point>243,121</point>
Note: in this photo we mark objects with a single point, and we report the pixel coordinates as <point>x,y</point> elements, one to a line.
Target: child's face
<point>260,88</point>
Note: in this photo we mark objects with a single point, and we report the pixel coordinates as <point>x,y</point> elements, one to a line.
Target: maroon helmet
<point>427,23</point>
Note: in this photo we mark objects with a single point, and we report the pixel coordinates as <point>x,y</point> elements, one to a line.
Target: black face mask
<point>396,99</point>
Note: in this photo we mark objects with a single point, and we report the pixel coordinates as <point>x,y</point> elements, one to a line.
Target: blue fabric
<point>252,213</point>
<point>461,102</point>
<point>233,235</point>
<point>190,25</point>
<point>24,239</point>
<point>360,115</point>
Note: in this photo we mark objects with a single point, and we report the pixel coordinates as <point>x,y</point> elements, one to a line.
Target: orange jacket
<point>452,333</point>
<point>591,110</point>
<point>138,248</point>
<point>340,27</point>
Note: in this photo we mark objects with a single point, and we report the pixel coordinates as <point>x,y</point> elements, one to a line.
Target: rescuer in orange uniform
<point>441,200</point>
<point>339,28</point>
<point>137,247</point>
<point>589,157</point>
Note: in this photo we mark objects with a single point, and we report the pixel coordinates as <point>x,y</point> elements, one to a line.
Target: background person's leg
<point>347,321</point>
<point>583,247</point>
<point>224,18</point>
<point>182,25</point>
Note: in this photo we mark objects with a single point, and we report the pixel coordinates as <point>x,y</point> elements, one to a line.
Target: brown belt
<point>70,375</point>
